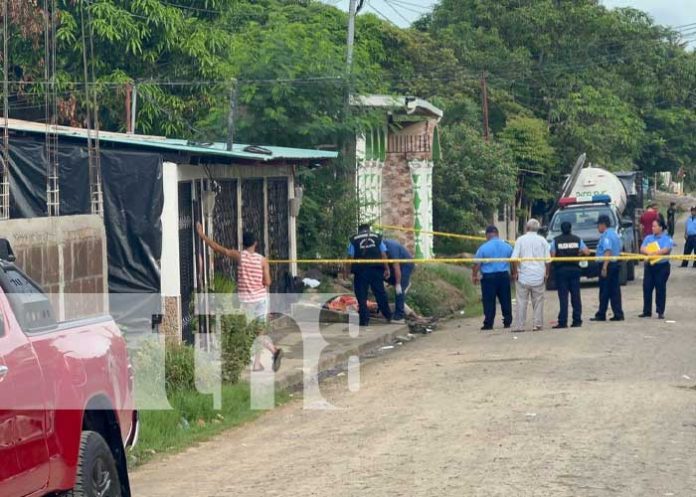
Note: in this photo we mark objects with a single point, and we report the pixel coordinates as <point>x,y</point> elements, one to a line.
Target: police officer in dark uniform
<point>567,274</point>
<point>367,245</point>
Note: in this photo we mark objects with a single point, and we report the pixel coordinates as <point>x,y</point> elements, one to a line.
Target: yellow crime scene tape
<point>434,233</point>
<point>474,260</point>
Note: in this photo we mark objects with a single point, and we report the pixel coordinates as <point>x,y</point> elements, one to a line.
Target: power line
<point>378,12</point>
<point>391,6</point>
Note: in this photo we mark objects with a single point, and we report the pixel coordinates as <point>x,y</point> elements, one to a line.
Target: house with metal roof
<point>152,191</point>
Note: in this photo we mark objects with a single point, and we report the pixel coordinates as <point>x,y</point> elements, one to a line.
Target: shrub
<point>441,289</point>
<point>237,338</point>
<point>180,366</point>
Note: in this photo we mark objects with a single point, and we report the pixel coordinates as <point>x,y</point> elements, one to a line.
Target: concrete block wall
<point>67,257</point>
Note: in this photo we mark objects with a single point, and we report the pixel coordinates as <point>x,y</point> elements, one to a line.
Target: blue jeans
<point>400,304</point>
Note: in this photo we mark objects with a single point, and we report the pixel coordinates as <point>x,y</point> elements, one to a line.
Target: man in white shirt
<point>530,276</point>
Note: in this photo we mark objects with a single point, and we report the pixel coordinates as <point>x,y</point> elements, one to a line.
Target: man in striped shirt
<point>253,282</point>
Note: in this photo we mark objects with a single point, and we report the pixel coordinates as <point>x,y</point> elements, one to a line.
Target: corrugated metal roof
<point>218,149</point>
<point>411,105</point>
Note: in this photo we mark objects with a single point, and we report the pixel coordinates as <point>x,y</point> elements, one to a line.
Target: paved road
<point>609,410</point>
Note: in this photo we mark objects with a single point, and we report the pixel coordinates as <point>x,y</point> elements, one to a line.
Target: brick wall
<point>67,257</point>
<point>397,184</point>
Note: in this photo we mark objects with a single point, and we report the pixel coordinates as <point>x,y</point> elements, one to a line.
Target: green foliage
<point>236,335</point>
<point>237,339</point>
<point>193,419</point>
<point>328,216</point>
<point>441,289</point>
<point>179,372</point>
<point>564,78</point>
<point>601,124</point>
<point>472,180</point>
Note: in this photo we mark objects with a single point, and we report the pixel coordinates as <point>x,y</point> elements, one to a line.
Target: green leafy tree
<point>529,139</point>
<point>471,182</point>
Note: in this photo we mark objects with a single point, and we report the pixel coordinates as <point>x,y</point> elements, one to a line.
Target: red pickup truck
<point>66,405</point>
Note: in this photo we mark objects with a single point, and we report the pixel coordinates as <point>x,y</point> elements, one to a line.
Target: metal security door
<point>186,259</point>
<point>278,232</point>
<point>225,226</point>
<point>253,217</point>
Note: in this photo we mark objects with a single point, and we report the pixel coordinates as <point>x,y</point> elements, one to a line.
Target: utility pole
<point>484,103</point>
<point>352,13</point>
<point>134,108</point>
<point>234,92</point>
<point>354,8</point>
<point>129,120</point>
<point>5,173</point>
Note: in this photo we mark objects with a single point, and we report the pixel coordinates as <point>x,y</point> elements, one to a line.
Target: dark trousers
<point>496,286</point>
<point>366,279</point>
<point>610,291</point>
<point>568,283</point>
<point>655,279</point>
<point>689,248</point>
<point>400,304</point>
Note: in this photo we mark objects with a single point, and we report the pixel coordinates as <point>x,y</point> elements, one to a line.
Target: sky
<point>668,12</point>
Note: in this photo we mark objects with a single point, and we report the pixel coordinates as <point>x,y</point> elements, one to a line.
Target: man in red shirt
<point>646,220</point>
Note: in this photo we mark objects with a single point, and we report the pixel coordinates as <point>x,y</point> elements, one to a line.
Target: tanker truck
<point>590,192</point>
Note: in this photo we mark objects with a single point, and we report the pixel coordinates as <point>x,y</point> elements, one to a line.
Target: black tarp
<point>133,201</point>
<point>28,179</point>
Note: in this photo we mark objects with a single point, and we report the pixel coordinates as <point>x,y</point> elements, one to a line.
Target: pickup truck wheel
<point>97,475</point>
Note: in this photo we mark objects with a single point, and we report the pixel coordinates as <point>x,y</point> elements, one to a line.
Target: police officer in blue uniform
<point>610,245</point>
<point>494,279</point>
<point>567,274</point>
<point>366,245</point>
<point>656,271</point>
<point>400,277</point>
<point>690,237</point>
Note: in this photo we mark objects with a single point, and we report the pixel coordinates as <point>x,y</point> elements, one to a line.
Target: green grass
<point>165,431</point>
<point>443,289</point>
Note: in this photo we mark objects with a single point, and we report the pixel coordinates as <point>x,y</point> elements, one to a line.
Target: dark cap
<point>605,220</point>
<point>491,229</point>
<point>693,208</point>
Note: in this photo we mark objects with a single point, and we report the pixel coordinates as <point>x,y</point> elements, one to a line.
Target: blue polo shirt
<point>495,248</point>
<point>609,240</point>
<point>664,241</point>
<point>397,251</point>
<point>691,226</point>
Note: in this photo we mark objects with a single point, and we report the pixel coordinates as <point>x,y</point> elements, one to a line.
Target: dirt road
<point>603,411</point>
